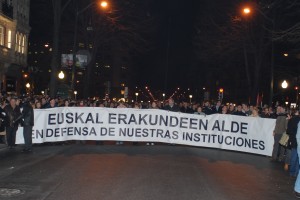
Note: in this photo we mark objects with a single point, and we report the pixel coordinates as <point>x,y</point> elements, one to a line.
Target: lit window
<point>20,42</point>
<point>1,35</point>
<point>9,38</point>
<point>17,42</point>
<point>23,44</point>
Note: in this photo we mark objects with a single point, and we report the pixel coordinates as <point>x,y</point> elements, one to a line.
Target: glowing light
<point>284,84</point>
<point>61,75</point>
<point>247,10</point>
<point>104,4</point>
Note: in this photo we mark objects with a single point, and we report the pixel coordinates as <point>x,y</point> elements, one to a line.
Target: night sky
<point>165,68</point>
<point>170,16</point>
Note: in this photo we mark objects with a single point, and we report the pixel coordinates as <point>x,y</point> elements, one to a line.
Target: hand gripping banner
<point>246,134</point>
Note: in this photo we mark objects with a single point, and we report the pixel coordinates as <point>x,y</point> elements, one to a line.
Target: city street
<point>140,172</point>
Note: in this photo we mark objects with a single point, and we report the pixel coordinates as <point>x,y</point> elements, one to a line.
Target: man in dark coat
<point>292,144</point>
<point>207,108</point>
<point>2,125</point>
<point>28,123</point>
<point>172,106</point>
<point>218,107</point>
<point>13,113</point>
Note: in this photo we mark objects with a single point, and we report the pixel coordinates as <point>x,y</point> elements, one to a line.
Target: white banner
<point>246,134</point>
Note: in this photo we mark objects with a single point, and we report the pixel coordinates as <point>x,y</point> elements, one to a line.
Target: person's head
<point>266,111</point>
<point>245,107</point>
<point>38,105</point>
<point>137,106</point>
<point>44,101</point>
<point>52,102</point>
<point>278,109</point>
<point>255,112</point>
<point>199,109</point>
<point>154,104</point>
<point>81,103</point>
<point>171,102</point>
<point>67,103</point>
<point>270,110</point>
<point>13,102</point>
<point>101,105</point>
<point>224,110</point>
<point>231,107</point>
<point>239,108</point>
<point>218,103</point>
<point>207,103</point>
<point>251,107</point>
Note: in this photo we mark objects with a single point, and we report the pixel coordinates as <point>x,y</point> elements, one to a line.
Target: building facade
<point>14,33</point>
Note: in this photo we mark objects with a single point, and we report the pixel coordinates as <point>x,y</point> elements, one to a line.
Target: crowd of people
<point>19,111</point>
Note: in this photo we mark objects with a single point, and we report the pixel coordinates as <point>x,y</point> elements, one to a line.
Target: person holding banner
<point>280,128</point>
<point>27,123</point>
<point>13,113</point>
<point>172,106</point>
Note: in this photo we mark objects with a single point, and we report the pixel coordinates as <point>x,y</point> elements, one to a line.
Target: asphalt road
<point>141,172</point>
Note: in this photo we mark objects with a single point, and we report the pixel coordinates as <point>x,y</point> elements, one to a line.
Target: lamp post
<point>284,84</point>
<point>190,96</point>
<point>75,94</point>
<point>61,75</point>
<point>247,11</point>
<point>297,95</point>
<point>164,95</point>
<point>103,5</point>
<point>136,96</point>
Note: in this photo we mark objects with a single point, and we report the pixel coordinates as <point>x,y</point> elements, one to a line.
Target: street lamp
<point>104,5</point>
<point>284,84</point>
<point>27,85</point>
<point>247,11</point>
<point>75,93</point>
<point>61,75</point>
<point>136,96</point>
<point>190,96</point>
<point>164,95</point>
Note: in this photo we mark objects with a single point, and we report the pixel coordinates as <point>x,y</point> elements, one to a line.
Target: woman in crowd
<point>224,110</point>
<point>199,111</point>
<point>254,112</point>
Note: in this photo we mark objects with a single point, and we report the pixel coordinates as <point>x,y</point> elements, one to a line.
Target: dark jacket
<point>174,108</point>
<point>2,120</point>
<point>27,115</point>
<point>239,113</point>
<point>12,115</point>
<point>217,109</point>
<point>292,131</point>
<point>207,110</point>
<point>186,110</point>
<point>281,124</point>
